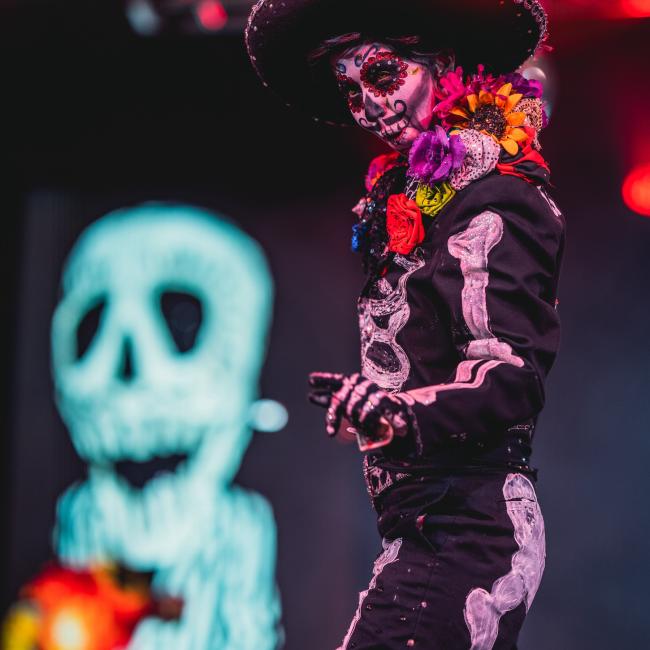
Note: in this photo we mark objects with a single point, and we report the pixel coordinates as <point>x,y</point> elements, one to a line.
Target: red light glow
<point>636,190</point>
<point>636,8</point>
<point>212,15</point>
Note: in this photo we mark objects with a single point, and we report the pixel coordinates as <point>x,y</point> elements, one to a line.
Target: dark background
<point>93,118</point>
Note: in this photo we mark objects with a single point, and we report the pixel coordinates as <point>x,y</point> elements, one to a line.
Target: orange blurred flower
<point>66,609</point>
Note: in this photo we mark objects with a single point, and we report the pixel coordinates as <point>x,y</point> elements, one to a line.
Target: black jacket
<point>465,327</point>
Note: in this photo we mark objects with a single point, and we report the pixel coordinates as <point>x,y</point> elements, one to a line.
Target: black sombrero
<point>501,34</point>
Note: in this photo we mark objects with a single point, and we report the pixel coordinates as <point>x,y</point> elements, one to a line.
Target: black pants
<point>462,560</point>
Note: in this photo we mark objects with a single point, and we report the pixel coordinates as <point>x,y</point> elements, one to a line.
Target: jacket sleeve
<point>497,273</point>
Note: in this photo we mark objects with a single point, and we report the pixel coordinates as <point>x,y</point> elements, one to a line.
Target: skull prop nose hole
<point>88,326</point>
<point>126,369</point>
<point>183,313</point>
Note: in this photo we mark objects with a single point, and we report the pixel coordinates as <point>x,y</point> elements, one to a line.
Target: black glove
<point>360,402</point>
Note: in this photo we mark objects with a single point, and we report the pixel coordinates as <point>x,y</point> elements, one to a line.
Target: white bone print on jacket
<point>472,247</point>
<point>484,610</point>
<point>383,360</point>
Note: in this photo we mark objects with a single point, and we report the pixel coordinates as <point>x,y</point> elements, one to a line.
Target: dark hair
<point>438,60</point>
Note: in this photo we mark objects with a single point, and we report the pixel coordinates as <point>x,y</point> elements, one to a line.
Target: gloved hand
<point>359,401</point>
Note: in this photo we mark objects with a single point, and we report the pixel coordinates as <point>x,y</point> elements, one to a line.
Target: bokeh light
<point>143,17</point>
<point>211,15</point>
<point>540,68</point>
<point>636,8</point>
<point>636,190</point>
<point>268,416</point>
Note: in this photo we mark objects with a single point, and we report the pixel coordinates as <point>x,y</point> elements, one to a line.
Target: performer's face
<point>391,96</point>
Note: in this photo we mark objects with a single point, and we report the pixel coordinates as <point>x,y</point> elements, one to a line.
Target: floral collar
<point>485,124</point>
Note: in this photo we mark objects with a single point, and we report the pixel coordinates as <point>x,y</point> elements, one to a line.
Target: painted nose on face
<point>126,367</point>
<point>373,110</point>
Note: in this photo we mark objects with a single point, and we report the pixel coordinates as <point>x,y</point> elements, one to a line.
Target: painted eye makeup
<point>351,91</point>
<point>384,73</point>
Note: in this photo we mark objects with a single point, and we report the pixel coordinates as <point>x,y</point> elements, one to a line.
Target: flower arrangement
<point>484,124</point>
<point>95,609</point>
<point>493,114</point>
<point>490,105</point>
<point>379,166</point>
<point>434,155</point>
<point>404,224</point>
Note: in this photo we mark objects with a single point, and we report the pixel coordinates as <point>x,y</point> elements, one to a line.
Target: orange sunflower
<point>493,114</point>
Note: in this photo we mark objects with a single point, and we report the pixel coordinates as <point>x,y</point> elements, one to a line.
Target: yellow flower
<point>432,200</point>
<point>21,628</point>
<point>494,115</point>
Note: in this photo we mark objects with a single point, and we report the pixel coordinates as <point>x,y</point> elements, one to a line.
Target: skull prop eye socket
<point>89,325</point>
<point>171,360</point>
<point>183,314</point>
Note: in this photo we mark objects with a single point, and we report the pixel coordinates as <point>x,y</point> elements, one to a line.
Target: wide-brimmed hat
<point>281,34</point>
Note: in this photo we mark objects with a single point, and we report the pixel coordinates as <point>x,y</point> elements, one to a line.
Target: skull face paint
<point>388,95</point>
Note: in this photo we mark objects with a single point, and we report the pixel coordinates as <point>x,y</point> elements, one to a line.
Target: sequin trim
<point>534,6</point>
<point>533,109</point>
<point>481,157</point>
<point>247,36</point>
<point>378,480</point>
<point>483,610</point>
<point>541,18</point>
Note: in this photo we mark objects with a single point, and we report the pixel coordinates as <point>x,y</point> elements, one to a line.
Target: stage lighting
<point>636,8</point>
<point>143,17</point>
<point>186,17</point>
<point>636,190</point>
<point>211,15</point>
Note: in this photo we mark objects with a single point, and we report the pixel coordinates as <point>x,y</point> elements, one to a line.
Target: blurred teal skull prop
<point>157,347</point>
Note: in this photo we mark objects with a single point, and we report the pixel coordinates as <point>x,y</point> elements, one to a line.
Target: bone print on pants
<point>484,610</point>
<point>469,560</point>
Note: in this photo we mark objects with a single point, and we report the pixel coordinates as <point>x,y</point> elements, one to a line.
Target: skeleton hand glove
<point>360,402</point>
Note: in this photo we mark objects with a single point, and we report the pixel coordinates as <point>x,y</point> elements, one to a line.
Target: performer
<point>462,246</point>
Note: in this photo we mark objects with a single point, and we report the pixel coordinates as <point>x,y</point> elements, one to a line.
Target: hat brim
<point>281,34</point>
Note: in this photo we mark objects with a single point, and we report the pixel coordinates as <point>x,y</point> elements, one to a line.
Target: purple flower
<point>527,87</point>
<point>434,155</point>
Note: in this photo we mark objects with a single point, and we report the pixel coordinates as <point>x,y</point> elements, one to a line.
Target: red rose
<point>404,224</point>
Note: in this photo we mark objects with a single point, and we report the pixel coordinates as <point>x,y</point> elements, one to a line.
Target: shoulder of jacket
<point>514,199</point>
